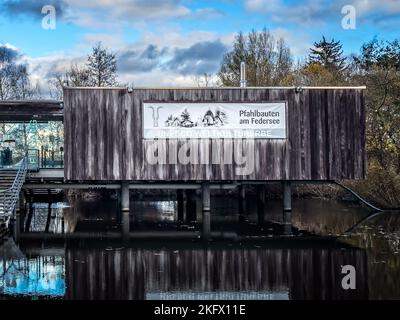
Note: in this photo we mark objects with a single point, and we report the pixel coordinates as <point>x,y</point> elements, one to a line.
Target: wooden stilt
<point>48,218</point>
<point>125,205</point>
<point>30,215</point>
<point>261,189</point>
<point>181,205</point>
<point>191,206</point>
<point>287,207</point>
<point>206,196</point>
<point>242,203</point>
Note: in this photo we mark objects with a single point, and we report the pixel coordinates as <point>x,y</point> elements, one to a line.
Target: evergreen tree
<point>329,54</point>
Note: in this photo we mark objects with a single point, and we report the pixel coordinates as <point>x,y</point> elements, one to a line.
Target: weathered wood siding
<point>326,135</point>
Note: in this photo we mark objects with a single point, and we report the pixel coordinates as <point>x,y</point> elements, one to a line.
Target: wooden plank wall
<point>326,136</point>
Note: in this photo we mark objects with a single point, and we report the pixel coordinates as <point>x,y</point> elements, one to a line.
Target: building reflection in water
<point>40,276</point>
<point>199,273</point>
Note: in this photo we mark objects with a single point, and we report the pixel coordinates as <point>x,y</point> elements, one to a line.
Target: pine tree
<point>329,54</point>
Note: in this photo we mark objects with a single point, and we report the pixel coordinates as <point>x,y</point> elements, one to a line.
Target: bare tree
<point>100,70</point>
<point>14,77</point>
<point>269,61</point>
<point>76,76</point>
<point>204,80</point>
<point>102,67</point>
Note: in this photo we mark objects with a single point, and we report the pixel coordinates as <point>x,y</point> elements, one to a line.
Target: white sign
<point>214,120</point>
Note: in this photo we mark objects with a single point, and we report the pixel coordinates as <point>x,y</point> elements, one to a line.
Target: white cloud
<point>116,13</point>
<point>308,13</point>
<point>153,51</point>
<point>318,12</point>
<point>156,59</point>
<point>299,43</point>
<point>114,41</point>
<point>366,7</point>
<point>42,69</point>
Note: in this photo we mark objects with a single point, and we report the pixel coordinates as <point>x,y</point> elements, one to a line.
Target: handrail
<point>358,197</point>
<point>21,167</point>
<point>9,197</point>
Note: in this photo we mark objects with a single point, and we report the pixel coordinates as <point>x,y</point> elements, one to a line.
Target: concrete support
<point>287,207</point>
<point>125,209</point>
<point>287,196</point>
<point>181,205</point>
<point>206,200</point>
<point>261,203</point>
<point>242,203</point>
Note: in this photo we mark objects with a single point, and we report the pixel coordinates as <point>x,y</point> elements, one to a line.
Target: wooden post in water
<point>17,225</point>
<point>181,205</point>
<point>125,209</point>
<point>261,189</point>
<point>30,214</point>
<point>206,196</point>
<point>62,224</point>
<point>48,217</point>
<point>287,207</point>
<point>19,217</point>
<point>242,203</point>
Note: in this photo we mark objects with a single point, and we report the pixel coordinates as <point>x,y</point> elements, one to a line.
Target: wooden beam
<point>206,196</point>
<point>40,110</point>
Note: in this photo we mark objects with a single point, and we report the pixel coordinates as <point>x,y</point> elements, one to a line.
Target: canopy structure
<point>39,110</point>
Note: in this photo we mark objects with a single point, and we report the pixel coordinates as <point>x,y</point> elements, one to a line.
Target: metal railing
<point>36,159</point>
<point>9,197</point>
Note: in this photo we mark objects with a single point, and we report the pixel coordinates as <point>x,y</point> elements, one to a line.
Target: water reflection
<point>40,276</point>
<point>190,270</point>
<point>313,273</point>
<point>208,273</point>
<point>40,216</point>
<point>380,236</point>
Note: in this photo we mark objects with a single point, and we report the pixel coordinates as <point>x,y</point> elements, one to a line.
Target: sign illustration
<point>155,115</point>
<point>214,120</point>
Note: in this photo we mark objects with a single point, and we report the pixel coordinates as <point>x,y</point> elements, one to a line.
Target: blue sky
<point>171,42</point>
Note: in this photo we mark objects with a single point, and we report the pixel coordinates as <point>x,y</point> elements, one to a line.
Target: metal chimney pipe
<point>243,81</point>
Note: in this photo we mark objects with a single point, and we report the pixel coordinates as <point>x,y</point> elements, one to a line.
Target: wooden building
<point>325,135</point>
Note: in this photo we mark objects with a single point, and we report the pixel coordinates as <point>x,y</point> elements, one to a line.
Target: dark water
<point>273,267</point>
